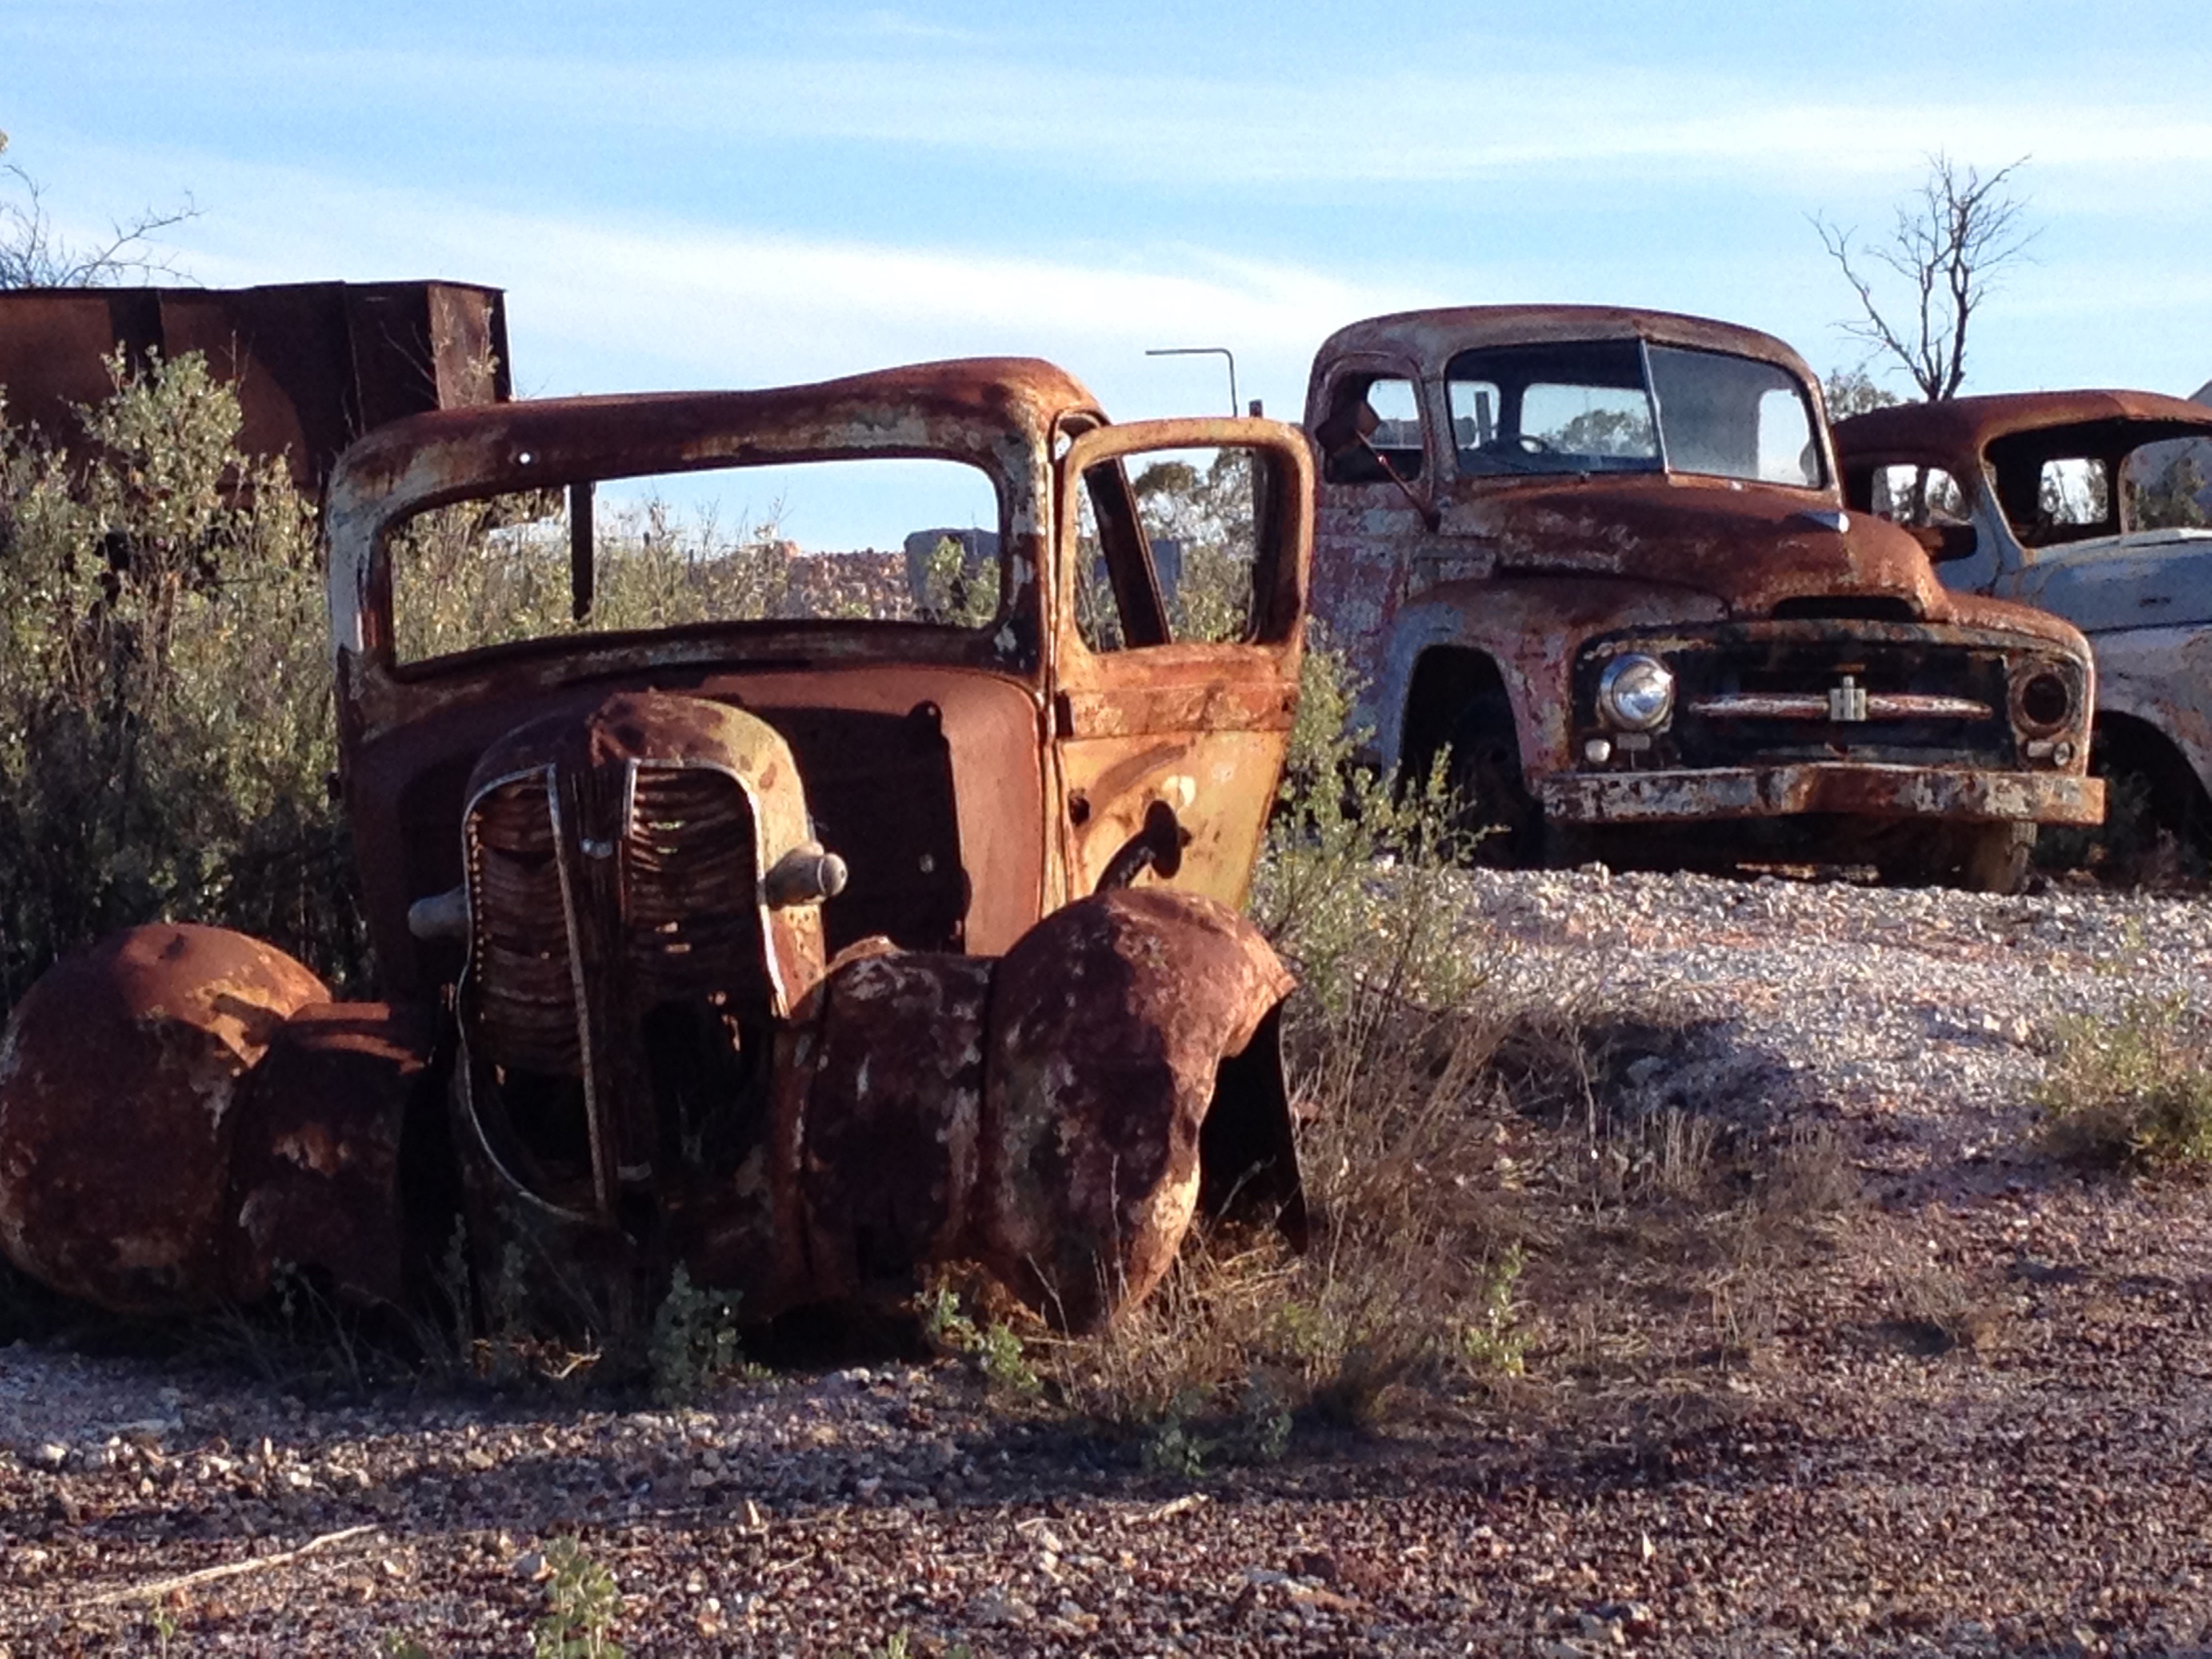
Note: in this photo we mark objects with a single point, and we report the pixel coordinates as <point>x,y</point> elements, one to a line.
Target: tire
<point>1495,811</point>
<point>1976,857</point>
<point>1996,856</point>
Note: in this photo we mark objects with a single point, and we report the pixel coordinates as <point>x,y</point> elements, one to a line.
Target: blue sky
<point>679,195</point>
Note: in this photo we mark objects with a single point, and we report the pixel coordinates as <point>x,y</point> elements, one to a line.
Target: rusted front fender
<point>1115,1025</point>
<point>119,1090</point>
<point>316,1170</point>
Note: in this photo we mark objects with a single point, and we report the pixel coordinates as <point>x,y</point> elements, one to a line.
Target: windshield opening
<point>863,541</point>
<point>1616,406</point>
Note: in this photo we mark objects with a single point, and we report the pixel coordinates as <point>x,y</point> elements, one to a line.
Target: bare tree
<point>1952,236</point>
<point>33,254</point>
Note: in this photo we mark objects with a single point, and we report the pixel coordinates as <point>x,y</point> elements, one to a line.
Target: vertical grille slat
<point>690,886</point>
<point>525,981</point>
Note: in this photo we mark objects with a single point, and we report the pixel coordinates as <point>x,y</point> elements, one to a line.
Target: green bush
<point>2133,1090</point>
<point>165,726</point>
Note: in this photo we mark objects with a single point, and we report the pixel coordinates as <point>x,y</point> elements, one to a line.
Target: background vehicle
<point>1595,563</point>
<point>764,913</point>
<point>2096,506</point>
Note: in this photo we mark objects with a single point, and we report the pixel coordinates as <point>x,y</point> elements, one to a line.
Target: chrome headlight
<point>1636,693</point>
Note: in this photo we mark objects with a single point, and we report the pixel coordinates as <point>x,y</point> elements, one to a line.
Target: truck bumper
<point>1852,789</point>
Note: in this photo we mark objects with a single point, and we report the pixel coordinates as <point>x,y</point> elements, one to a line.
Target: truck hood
<point>1750,547</point>
<point>2146,579</point>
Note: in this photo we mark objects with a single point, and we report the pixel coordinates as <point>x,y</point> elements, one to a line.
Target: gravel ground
<point>1968,1413</point>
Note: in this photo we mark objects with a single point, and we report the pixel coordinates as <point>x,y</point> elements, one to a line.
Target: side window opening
<point>2073,500</point>
<point>2168,485</point>
<point>1917,496</point>
<point>1373,431</point>
<point>1178,547</point>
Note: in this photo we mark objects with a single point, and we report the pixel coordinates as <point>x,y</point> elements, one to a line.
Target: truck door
<point>1181,568</point>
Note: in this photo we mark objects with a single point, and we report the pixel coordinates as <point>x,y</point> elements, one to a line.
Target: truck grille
<point>1781,698</point>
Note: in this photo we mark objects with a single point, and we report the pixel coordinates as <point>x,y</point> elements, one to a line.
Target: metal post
<point>1203,351</point>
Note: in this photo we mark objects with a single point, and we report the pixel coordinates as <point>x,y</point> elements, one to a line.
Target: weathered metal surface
<point>315,364</point>
<point>1964,426</point>
<point>1464,595</point>
<point>120,1106</point>
<point>889,1149</point>
<point>2143,596</point>
<point>315,1169</point>
<point>1864,790</point>
<point>1110,1024</point>
<point>612,872</point>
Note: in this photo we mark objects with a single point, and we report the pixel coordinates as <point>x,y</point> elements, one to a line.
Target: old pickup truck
<point>2096,506</point>
<point>794,918</point>
<point>1595,563</point>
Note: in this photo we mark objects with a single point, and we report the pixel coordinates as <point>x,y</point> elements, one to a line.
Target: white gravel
<point>1929,1008</point>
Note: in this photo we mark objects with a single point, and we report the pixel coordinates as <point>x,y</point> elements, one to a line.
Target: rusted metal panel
<point>1478,598</point>
<point>1868,790</point>
<point>1966,426</point>
<point>315,1170</point>
<point>1110,1024</point>
<point>314,364</point>
<point>696,929</point>
<point>119,1082</point>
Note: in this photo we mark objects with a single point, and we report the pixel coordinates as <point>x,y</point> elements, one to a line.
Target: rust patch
<point>118,1093</point>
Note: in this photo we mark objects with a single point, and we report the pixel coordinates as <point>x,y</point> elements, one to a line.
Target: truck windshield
<point>1619,406</point>
<point>838,541</point>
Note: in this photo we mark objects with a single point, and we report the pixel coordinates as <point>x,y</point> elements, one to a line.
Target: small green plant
<point>1354,881</point>
<point>1004,1361</point>
<point>1171,1446</point>
<point>1489,1344</point>
<point>695,1340</point>
<point>995,1349</point>
<point>582,1605</point>
<point>163,1623</point>
<point>2135,1090</point>
<point>396,1646</point>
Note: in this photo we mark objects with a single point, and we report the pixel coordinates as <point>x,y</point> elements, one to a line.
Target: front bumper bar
<point>1854,789</point>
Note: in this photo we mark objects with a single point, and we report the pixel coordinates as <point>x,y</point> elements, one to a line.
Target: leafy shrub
<point>695,1340</point>
<point>165,726</point>
<point>2135,1090</point>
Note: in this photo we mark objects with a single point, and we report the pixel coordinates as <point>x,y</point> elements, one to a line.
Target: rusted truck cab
<point>1595,563</point>
<point>2096,506</point>
<point>794,917</point>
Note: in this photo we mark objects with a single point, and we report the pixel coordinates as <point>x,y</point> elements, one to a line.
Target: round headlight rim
<point>1608,683</point>
<point>2028,675</point>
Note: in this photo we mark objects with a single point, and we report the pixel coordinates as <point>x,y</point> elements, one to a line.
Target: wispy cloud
<point>623,304</point>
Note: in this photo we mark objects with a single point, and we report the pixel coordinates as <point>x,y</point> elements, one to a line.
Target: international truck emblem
<point>1847,702</point>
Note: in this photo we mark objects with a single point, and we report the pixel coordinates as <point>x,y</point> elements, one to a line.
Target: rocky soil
<point>1938,1393</point>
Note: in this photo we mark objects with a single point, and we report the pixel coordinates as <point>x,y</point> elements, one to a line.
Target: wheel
<point>1495,810</point>
<point>1996,856</point>
<point>1976,857</point>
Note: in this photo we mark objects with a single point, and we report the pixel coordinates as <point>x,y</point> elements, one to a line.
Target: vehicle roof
<point>1969,425</point>
<point>963,406</point>
<point>1434,337</point>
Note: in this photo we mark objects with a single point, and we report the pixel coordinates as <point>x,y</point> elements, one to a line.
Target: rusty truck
<point>724,921</point>
<point>2096,505</point>
<point>1595,565</point>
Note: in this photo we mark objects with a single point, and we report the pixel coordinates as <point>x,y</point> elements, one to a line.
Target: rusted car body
<point>2096,506</point>
<point>314,364</point>
<point>796,951</point>
<point>1595,563</point>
